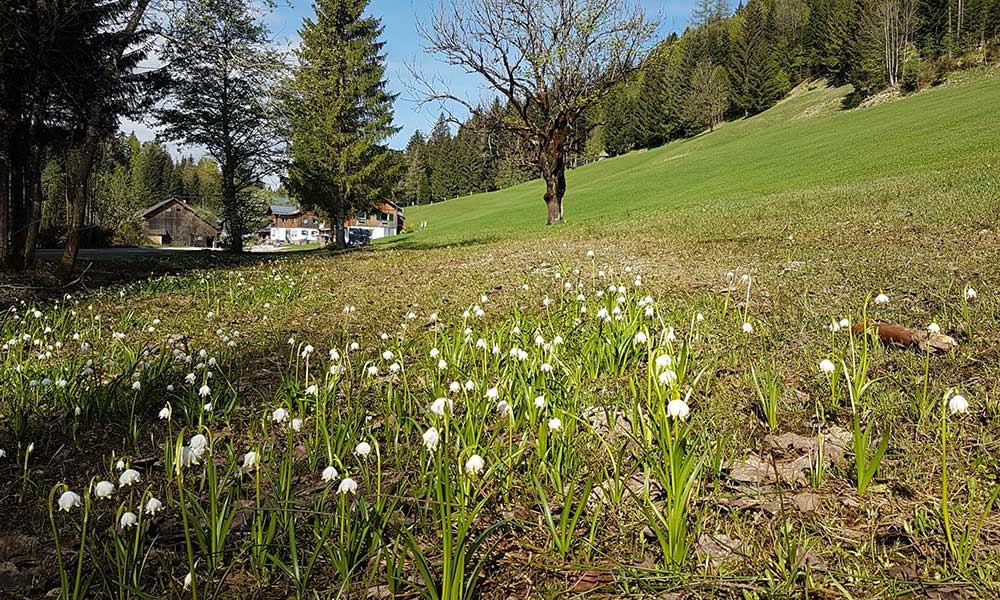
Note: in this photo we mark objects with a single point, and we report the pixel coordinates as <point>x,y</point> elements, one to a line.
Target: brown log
<point>904,337</point>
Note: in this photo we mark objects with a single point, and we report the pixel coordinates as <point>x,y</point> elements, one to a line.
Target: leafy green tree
<point>222,96</point>
<point>340,113</point>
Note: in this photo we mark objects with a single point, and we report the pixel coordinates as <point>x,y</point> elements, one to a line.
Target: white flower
<point>970,293</point>
<point>934,328</point>
<point>354,346</point>
<point>590,254</point>
<point>207,407</point>
<point>663,361</point>
<point>68,500</point>
<point>136,386</point>
<point>249,459</point>
<point>363,449</point>
<point>546,368</point>
<point>503,407</point>
<point>431,439</point>
<point>120,465</point>
<point>434,353</point>
<point>640,337</point>
<point>469,385</point>
<point>128,520</point>
<point>388,355</point>
<point>747,328</point>
<point>187,581</point>
<point>329,473</point>
<point>153,506</point>
<point>555,424</point>
<point>493,393</point>
<point>845,323</point>
<point>165,412</point>
<point>455,387</point>
<point>958,404</point>
<point>280,415</point>
<point>678,409</point>
<point>347,485</point>
<point>312,390</point>
<point>103,489</point>
<point>372,371</point>
<point>475,464</point>
<point>826,365</point>
<point>3,453</point>
<point>439,406</point>
<point>540,401</point>
<point>307,351</point>
<point>699,317</point>
<point>667,377</point>
<point>128,477</point>
<point>557,340</point>
<point>442,364</point>
<point>296,424</point>
<point>881,299</point>
<point>204,391</point>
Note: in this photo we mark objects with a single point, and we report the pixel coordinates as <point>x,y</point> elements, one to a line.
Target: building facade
<point>290,225</point>
<point>384,220</point>
<point>174,223</point>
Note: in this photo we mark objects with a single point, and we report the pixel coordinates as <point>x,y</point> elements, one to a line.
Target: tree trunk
<point>77,189</point>
<point>340,232</point>
<point>5,173</point>
<point>33,225</point>
<point>553,167</point>
<point>230,204</point>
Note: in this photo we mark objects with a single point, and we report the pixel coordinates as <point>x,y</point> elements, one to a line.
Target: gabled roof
<point>283,210</point>
<point>146,213</point>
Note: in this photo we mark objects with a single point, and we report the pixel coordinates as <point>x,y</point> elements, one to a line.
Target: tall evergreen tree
<point>751,70</point>
<point>441,156</point>
<point>416,182</point>
<point>222,97</point>
<point>340,113</point>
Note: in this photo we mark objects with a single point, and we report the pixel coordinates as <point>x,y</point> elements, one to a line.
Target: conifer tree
<point>340,113</point>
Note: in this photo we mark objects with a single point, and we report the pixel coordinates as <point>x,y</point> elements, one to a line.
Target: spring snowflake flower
<point>296,424</point>
<point>881,299</point>
<point>958,404</point>
<point>363,449</point>
<point>546,368</point>
<point>312,390</point>
<point>678,409</point>
<point>667,377</point>
<point>470,385</point>
<point>503,407</point>
<point>747,328</point>
<point>204,391</point>
<point>3,453</point>
<point>640,337</point>
<point>372,371</point>
<point>68,500</point>
<point>934,328</point>
<point>188,580</point>
<point>153,506</point>
<point>845,323</point>
<point>128,520</point>
<point>190,378</point>
<point>394,368</point>
<point>455,387</point>
<point>540,401</point>
<point>354,346</point>
<point>249,459</point>
<point>136,386</point>
<point>431,439</point>
<point>442,365</point>
<point>347,485</point>
<point>826,365</point>
<point>590,254</point>
<point>329,473</point>
<point>663,361</point>
<point>557,340</point>
<point>475,464</point>
<point>103,489</point>
<point>128,477</point>
<point>699,317</point>
<point>440,405</point>
<point>280,415</point>
<point>970,293</point>
<point>307,351</point>
<point>555,424</point>
<point>493,393</point>
<point>388,355</point>
<point>434,353</point>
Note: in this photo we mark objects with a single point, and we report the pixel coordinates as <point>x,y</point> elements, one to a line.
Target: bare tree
<point>893,23</point>
<point>548,59</point>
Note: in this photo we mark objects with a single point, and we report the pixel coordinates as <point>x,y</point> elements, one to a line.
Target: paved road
<point>98,253</point>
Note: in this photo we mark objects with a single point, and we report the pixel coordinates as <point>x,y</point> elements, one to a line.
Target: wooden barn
<point>174,223</point>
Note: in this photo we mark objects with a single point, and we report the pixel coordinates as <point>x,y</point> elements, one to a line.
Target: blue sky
<point>404,49</point>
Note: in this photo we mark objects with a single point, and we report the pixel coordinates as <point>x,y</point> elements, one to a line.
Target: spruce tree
<point>416,184</point>
<point>340,113</point>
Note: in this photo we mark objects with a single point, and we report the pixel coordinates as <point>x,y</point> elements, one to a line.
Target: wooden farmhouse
<point>174,223</point>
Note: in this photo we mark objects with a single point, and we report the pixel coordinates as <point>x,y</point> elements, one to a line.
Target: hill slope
<point>805,147</point>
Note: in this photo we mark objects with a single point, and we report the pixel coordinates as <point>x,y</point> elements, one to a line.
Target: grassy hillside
<point>806,147</point>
